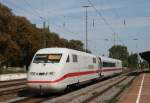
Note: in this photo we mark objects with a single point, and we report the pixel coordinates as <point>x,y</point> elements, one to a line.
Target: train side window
<point>68,59</point>
<point>75,58</point>
<point>94,60</point>
<point>108,64</point>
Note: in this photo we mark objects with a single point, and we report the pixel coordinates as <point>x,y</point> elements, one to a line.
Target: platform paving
<point>139,91</point>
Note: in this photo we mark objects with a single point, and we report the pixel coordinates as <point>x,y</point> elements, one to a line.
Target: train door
<point>75,66</point>
<point>99,66</point>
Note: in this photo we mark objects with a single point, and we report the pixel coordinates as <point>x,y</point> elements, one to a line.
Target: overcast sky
<point>129,19</point>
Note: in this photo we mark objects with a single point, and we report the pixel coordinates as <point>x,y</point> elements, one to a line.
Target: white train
<point>54,69</point>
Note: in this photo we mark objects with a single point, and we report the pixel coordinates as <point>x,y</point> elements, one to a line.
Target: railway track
<point>95,93</point>
<point>85,94</point>
<point>16,92</point>
<point>10,89</point>
<point>11,86</point>
<point>12,82</point>
<point>31,99</point>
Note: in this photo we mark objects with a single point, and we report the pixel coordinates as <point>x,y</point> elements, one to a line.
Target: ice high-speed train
<point>54,69</point>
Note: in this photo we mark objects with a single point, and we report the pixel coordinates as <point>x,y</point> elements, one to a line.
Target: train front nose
<point>38,86</point>
<point>39,81</point>
<point>43,81</point>
<point>44,87</point>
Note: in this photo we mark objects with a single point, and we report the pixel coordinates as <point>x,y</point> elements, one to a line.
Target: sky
<point>119,22</point>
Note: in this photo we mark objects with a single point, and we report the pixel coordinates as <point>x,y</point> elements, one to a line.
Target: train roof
<point>67,50</point>
<point>61,50</point>
<point>49,50</point>
<point>109,59</point>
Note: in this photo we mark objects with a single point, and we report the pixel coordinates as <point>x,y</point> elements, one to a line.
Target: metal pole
<point>86,27</point>
<point>86,31</point>
<point>114,39</point>
<point>44,35</point>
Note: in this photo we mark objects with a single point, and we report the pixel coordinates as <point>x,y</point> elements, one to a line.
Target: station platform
<point>139,90</point>
<point>14,76</point>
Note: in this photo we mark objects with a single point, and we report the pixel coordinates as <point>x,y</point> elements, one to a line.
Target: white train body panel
<point>53,69</point>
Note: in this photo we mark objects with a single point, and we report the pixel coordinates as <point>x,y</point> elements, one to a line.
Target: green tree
<point>119,52</point>
<point>20,39</point>
<point>76,44</point>
<point>133,61</point>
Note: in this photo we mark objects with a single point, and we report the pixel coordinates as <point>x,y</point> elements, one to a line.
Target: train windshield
<point>47,58</point>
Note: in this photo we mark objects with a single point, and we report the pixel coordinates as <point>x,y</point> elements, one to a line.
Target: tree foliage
<point>19,39</point>
<point>119,52</point>
<point>133,61</point>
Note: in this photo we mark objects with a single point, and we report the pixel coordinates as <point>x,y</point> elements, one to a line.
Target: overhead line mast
<point>86,28</point>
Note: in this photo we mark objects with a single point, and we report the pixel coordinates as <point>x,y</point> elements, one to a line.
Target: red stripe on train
<point>73,75</point>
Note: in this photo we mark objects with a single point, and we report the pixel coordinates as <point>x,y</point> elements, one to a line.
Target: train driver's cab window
<point>68,59</point>
<point>47,58</point>
<point>75,58</point>
<point>40,58</point>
